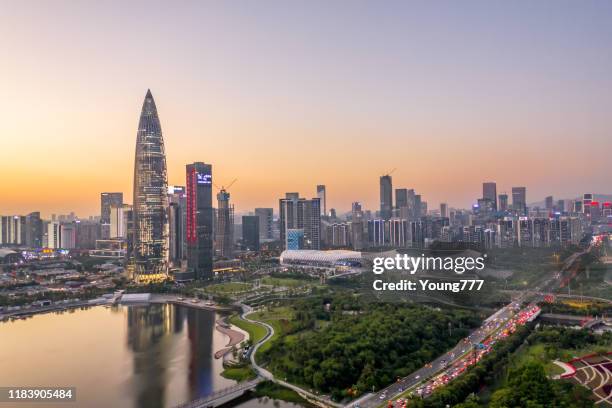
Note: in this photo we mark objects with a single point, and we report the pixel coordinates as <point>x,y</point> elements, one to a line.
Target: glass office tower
<point>150,254</point>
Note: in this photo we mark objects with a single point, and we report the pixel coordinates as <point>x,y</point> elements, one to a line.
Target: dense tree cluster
<point>366,345</point>
<point>529,387</point>
<point>589,309</point>
<point>564,338</point>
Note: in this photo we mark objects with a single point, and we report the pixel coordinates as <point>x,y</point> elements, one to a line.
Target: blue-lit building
<point>295,239</point>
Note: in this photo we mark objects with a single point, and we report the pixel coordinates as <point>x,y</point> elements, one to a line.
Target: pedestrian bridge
<point>222,396</point>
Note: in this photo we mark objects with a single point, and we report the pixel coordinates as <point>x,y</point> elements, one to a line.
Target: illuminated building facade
<point>107,201</point>
<point>199,225</point>
<point>149,261</point>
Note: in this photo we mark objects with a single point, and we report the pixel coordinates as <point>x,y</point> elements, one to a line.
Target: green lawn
<point>256,331</point>
<point>277,318</point>
<point>275,391</point>
<point>536,353</point>
<point>228,288</point>
<point>239,373</point>
<point>287,282</point>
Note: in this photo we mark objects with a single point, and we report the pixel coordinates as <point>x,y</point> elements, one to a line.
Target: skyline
<point>429,87</point>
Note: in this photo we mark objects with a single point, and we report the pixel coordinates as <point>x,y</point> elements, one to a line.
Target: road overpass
<point>222,396</point>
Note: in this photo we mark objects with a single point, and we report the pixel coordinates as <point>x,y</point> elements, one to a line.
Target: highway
<point>490,326</point>
<point>455,357</point>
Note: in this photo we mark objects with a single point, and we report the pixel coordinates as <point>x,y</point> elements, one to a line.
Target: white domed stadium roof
<point>5,251</point>
<point>318,258</point>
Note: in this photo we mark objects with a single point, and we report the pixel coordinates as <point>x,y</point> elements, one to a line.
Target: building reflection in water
<point>152,335</point>
<point>200,327</point>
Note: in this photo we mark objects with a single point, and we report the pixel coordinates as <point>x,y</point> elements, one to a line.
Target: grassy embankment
<point>227,288</point>
<point>275,391</point>
<point>239,373</point>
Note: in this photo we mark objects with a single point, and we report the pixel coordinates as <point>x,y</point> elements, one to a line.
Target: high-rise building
<point>386,197</point>
<point>401,198</point>
<point>300,214</point>
<point>587,199</point>
<point>322,196</point>
<point>107,201</point>
<point>118,221</point>
<point>54,235</point>
<point>224,239</point>
<point>34,230</point>
<point>506,232</point>
<point>357,227</point>
<point>443,210</point>
<point>250,233</point>
<point>13,230</point>
<point>339,234</point>
<point>578,206</point>
<point>489,192</point>
<point>503,202</point>
<point>295,239</point>
<point>150,253</point>
<point>266,216</point>
<point>199,225</point>
<point>595,211</point>
<point>87,233</point>
<point>606,209</point>
<point>549,203</point>
<point>484,207</point>
<point>392,232</point>
<point>68,235</point>
<point>561,205</point>
<point>177,224</point>
<point>519,199</point>
<point>418,207</point>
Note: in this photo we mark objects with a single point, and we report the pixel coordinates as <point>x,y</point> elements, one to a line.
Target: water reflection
<point>138,356</point>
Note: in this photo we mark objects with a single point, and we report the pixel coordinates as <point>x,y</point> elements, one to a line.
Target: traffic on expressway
<point>470,350</point>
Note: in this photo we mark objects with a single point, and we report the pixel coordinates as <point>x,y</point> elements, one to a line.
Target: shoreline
<point>25,313</point>
<point>235,337</point>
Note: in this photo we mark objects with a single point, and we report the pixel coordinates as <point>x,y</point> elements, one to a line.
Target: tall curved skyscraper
<point>150,241</point>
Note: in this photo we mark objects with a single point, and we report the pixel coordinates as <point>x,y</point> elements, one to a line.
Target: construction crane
<point>222,188</point>
<point>390,172</point>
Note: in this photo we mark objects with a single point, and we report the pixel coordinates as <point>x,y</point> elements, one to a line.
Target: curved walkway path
<point>568,369</point>
<point>262,372</point>
<point>235,337</point>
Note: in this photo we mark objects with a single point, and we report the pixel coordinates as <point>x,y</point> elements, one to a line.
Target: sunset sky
<point>285,95</point>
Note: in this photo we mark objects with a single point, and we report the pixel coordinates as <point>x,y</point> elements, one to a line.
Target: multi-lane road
<point>450,361</point>
<point>451,357</point>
